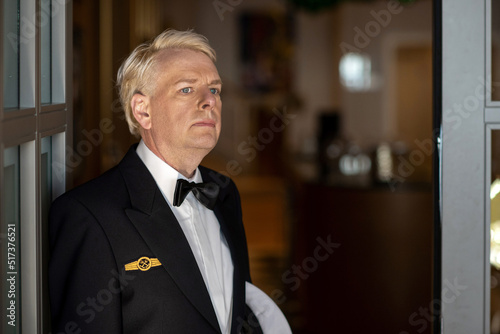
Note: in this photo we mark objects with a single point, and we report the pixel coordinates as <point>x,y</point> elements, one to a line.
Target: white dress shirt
<point>210,249</point>
<point>203,233</point>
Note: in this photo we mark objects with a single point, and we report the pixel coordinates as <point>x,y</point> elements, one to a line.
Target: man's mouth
<point>205,122</point>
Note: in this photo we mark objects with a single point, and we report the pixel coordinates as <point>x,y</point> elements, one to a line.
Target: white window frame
<point>469,117</point>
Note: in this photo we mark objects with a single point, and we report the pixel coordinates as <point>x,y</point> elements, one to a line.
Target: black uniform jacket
<point>100,229</point>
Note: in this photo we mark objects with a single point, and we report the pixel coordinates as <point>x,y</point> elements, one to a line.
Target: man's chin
<point>207,145</point>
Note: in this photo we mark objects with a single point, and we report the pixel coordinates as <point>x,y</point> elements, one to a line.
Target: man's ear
<point>140,110</point>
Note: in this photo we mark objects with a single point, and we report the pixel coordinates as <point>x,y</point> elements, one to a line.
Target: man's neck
<point>183,162</point>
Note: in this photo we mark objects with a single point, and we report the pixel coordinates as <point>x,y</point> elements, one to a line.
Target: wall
<point>314,72</point>
<point>369,116</point>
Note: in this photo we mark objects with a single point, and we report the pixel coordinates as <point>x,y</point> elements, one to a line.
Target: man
<point>142,249</point>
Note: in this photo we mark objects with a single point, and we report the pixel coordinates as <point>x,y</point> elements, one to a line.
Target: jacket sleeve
<point>84,282</point>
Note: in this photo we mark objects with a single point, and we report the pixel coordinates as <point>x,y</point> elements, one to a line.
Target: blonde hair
<point>136,73</point>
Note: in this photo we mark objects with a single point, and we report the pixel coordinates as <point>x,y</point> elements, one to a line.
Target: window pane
<point>495,232</point>
<point>10,244</point>
<point>46,200</point>
<point>46,175</point>
<point>11,54</point>
<point>46,58</point>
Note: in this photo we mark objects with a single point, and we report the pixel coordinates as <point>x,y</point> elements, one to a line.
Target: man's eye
<point>214,90</point>
<point>186,90</point>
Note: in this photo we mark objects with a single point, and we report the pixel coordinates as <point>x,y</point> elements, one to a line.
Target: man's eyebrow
<point>186,80</point>
<point>192,81</point>
<point>216,82</point>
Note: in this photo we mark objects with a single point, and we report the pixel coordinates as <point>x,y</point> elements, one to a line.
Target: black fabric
<point>206,193</point>
<point>98,228</point>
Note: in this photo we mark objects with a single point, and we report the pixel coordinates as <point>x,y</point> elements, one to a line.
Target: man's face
<point>185,107</point>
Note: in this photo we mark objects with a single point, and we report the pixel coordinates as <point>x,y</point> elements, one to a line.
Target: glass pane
<point>46,200</point>
<point>495,50</point>
<point>11,54</point>
<point>46,56</point>
<point>46,177</point>
<point>10,244</point>
<point>495,232</point>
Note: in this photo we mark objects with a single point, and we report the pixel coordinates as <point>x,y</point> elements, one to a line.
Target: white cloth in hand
<point>271,319</point>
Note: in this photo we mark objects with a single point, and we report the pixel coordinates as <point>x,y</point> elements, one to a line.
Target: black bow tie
<point>206,193</point>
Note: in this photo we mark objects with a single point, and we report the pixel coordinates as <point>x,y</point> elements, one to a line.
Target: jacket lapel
<point>157,225</point>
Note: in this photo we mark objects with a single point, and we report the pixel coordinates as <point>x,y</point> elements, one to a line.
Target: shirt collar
<point>164,175</point>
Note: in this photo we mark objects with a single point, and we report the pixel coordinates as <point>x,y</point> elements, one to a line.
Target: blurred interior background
<point>327,131</point>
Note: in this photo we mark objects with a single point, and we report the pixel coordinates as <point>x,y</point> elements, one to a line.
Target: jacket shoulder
<point>109,186</point>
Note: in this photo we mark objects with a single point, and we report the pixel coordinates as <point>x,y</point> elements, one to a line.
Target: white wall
<point>368,116</point>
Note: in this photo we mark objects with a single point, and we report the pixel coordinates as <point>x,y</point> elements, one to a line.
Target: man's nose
<point>208,99</point>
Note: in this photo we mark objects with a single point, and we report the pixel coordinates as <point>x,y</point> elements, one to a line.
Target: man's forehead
<point>183,56</point>
<point>186,67</point>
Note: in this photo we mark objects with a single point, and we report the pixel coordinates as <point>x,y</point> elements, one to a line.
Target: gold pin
<point>143,264</point>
